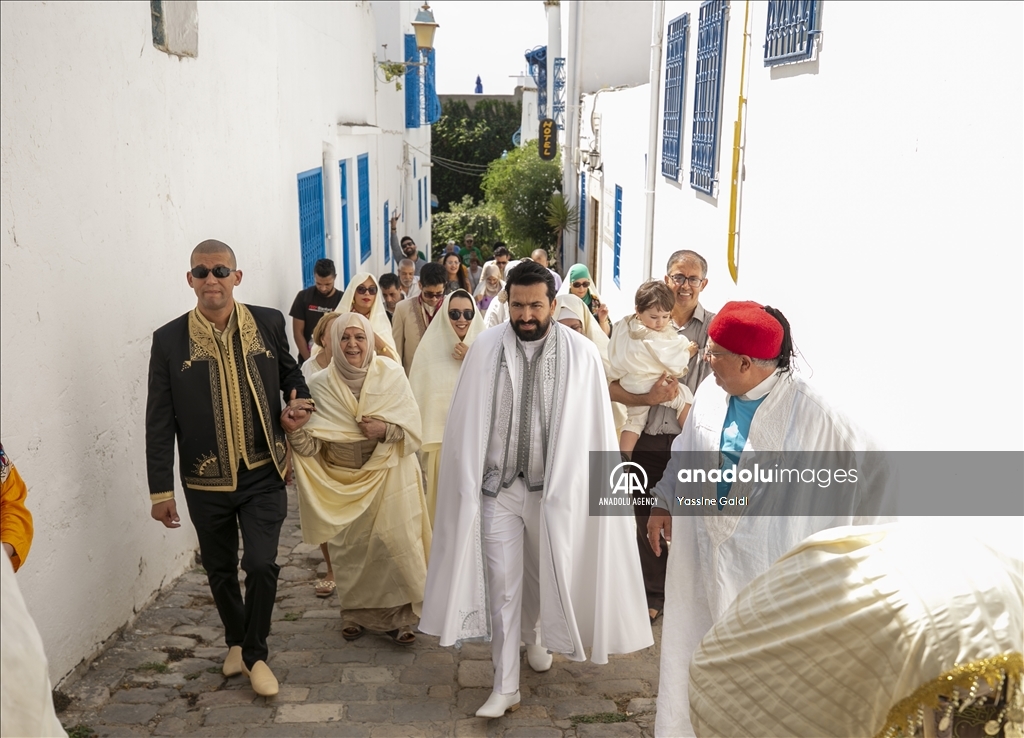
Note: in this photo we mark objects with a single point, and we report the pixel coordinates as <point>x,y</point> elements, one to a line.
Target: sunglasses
<point>467,314</point>
<point>220,271</point>
<point>580,284</point>
<point>360,290</point>
<point>432,295</point>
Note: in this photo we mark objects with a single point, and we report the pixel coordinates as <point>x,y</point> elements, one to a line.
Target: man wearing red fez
<point>755,403</point>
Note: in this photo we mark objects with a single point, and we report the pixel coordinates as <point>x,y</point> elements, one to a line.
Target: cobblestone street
<point>162,677</point>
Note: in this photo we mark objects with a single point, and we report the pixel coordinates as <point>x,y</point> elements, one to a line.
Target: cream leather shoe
<point>539,658</point>
<point>498,704</point>
<point>233,662</point>
<point>262,679</point>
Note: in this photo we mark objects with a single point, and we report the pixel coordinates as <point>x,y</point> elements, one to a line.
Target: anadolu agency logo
<point>628,484</point>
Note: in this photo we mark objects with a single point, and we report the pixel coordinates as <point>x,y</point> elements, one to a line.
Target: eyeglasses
<point>467,314</point>
<point>220,271</point>
<point>432,295</point>
<point>709,354</point>
<point>371,290</point>
<point>579,285</point>
<point>680,280</point>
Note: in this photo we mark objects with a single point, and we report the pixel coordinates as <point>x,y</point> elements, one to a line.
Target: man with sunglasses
<point>686,275</point>
<point>413,314</point>
<point>406,247</point>
<point>313,303</point>
<point>216,377</point>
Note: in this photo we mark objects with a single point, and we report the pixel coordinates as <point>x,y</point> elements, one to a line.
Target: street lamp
<point>425,27</point>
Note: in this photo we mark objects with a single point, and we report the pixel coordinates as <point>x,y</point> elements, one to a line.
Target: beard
<point>533,331</point>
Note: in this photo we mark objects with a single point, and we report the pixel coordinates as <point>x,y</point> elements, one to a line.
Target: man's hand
<point>373,429</point>
<point>297,413</point>
<point>659,524</point>
<point>394,219</point>
<point>167,513</point>
<point>664,390</point>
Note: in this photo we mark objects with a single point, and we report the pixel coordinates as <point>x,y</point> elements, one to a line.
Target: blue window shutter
<point>419,201</point>
<point>618,236</point>
<point>412,83</point>
<point>707,95</point>
<point>431,100</point>
<point>346,263</point>
<point>583,211</point>
<point>311,222</point>
<point>792,26</point>
<point>387,232</point>
<point>675,75</point>
<point>363,173</point>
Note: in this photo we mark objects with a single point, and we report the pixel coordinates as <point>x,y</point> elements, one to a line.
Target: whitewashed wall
<point>116,160</point>
<point>880,211</point>
<point>616,44</point>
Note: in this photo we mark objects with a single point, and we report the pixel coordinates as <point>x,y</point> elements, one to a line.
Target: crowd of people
<point>438,421</point>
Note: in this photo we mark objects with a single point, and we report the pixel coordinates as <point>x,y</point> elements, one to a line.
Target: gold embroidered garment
<point>241,410</point>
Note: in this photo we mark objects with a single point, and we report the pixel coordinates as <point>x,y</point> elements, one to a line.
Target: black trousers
<point>652,453</point>
<point>258,506</point>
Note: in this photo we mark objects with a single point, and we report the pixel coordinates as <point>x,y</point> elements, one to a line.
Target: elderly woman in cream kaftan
<point>364,495</point>
<point>435,369</point>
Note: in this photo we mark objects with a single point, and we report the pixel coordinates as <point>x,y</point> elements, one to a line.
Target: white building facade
<point>120,152</point>
<point>877,203</point>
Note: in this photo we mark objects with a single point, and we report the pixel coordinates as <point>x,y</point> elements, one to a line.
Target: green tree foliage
<point>470,136</point>
<point>480,219</point>
<point>520,187</point>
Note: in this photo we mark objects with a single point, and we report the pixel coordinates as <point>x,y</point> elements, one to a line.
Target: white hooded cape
<point>591,587</point>
<point>714,557</point>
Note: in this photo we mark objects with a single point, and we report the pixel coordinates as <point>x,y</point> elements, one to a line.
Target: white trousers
<point>512,547</point>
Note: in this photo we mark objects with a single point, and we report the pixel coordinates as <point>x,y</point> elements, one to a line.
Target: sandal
<point>325,588</point>
<point>653,614</point>
<point>403,636</point>
<point>352,632</point>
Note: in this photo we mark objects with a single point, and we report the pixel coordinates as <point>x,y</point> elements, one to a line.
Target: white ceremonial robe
<point>714,557</point>
<point>590,586</point>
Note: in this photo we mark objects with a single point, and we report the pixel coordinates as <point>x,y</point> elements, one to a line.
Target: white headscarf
<point>378,313</point>
<point>434,372</point>
<point>485,290</point>
<point>352,376</point>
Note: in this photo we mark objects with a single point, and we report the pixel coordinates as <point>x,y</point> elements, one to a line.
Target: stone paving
<point>162,676</point>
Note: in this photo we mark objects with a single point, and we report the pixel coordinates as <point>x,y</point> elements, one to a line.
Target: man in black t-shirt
<point>312,303</point>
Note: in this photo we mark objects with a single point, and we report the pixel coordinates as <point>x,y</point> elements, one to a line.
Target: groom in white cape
<point>516,555</point>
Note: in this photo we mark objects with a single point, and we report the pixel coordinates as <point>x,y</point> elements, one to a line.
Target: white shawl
<point>378,313</point>
<point>434,372</point>
<point>714,557</point>
<point>591,588</point>
<point>592,331</point>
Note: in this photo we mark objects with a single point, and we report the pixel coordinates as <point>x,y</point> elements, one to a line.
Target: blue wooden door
<point>311,222</point>
<point>345,259</point>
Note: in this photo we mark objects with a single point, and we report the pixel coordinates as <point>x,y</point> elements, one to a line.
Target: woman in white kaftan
<point>497,311</point>
<point>590,587</point>
<point>435,369</point>
<point>573,313</point>
<point>868,631</point>
<point>714,557</point>
<point>360,487</point>
<point>370,304</point>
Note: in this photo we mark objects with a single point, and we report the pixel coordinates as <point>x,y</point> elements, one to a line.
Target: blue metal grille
<point>538,61</point>
<point>558,106</point>
<point>707,97</point>
<point>675,89</point>
<point>387,232</point>
<point>419,201</point>
<point>583,211</point>
<point>346,259</point>
<point>412,83</point>
<point>792,26</point>
<point>311,222</point>
<point>363,175</point>
<point>432,102</point>
<point>617,257</point>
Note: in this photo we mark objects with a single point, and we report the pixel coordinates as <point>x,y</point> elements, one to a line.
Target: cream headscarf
<point>378,313</point>
<point>485,290</point>
<point>570,306</point>
<point>352,376</point>
<point>434,372</point>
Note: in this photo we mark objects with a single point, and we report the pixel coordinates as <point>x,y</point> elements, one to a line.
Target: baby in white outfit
<point>643,347</point>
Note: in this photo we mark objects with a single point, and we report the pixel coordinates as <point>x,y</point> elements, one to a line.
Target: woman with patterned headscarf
<point>360,487</point>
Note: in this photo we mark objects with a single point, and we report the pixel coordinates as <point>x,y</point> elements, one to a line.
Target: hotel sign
<point>548,143</point>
